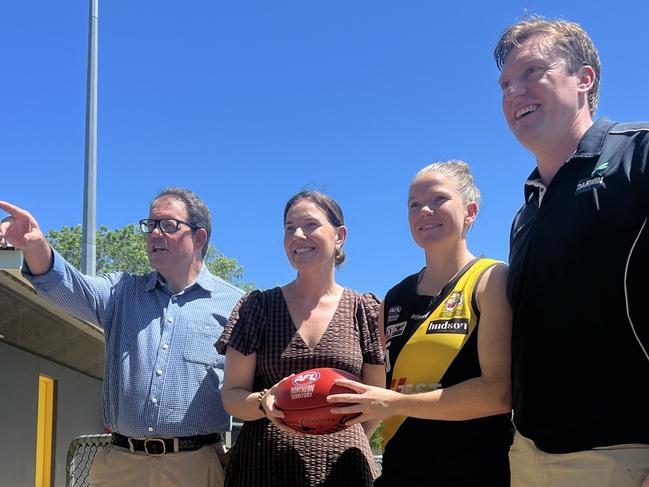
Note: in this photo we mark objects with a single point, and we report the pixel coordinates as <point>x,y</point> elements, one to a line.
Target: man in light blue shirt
<point>162,376</point>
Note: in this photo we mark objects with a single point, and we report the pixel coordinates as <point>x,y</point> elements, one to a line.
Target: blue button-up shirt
<point>162,373</point>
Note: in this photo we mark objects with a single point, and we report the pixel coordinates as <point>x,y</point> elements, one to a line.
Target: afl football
<point>303,398</point>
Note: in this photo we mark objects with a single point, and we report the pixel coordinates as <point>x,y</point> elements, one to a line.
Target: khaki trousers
<point>118,467</point>
<point>614,466</point>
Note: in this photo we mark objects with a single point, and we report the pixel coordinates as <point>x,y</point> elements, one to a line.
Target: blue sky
<point>249,102</point>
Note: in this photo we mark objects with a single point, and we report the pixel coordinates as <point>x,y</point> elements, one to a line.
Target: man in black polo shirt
<point>578,257</point>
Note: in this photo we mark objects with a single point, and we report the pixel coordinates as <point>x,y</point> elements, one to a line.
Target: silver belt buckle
<point>152,440</point>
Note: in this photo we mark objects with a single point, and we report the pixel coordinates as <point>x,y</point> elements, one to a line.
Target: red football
<point>303,398</point>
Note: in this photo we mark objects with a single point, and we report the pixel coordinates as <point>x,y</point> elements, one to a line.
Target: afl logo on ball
<point>306,378</point>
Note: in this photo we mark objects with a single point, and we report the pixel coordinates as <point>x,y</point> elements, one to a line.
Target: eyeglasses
<point>165,225</point>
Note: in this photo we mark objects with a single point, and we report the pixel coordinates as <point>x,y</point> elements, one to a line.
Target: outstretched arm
<point>55,279</point>
<point>24,233</point>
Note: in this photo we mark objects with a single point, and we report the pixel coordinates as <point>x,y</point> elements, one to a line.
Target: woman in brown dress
<point>310,322</point>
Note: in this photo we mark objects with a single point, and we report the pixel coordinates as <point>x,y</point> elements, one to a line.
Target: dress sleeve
<point>368,323</point>
<point>243,331</point>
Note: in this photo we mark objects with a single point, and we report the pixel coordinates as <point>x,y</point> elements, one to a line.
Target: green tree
<point>124,249</point>
<point>377,438</point>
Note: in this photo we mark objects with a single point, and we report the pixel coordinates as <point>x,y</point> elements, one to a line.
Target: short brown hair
<point>569,39</point>
<point>328,206</point>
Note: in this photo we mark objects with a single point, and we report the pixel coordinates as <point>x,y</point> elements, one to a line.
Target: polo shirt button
<point>165,346</point>
<point>150,429</point>
<point>154,400</point>
<point>158,372</point>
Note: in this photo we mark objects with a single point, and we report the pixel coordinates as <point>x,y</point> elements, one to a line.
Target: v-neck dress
<point>263,455</point>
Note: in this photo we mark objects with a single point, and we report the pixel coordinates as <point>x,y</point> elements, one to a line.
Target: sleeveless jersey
<point>431,342</point>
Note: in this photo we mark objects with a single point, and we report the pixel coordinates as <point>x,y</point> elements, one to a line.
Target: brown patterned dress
<point>265,456</point>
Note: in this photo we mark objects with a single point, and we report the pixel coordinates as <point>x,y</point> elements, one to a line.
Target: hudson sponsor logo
<point>457,326</point>
<point>393,313</point>
<point>395,330</point>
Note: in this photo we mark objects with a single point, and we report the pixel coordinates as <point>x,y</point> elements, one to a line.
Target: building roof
<point>29,322</point>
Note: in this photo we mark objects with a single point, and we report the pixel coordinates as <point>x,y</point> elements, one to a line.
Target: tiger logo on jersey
<point>454,305</point>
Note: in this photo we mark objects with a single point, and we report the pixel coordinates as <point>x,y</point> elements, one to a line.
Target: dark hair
<point>569,39</point>
<point>329,207</point>
<point>198,215</point>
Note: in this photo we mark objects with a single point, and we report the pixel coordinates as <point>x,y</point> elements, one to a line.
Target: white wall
<point>77,410</point>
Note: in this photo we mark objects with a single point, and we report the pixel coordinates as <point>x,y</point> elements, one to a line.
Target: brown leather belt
<point>159,446</point>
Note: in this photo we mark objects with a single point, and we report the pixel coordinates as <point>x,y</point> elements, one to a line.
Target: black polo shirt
<point>578,286</point>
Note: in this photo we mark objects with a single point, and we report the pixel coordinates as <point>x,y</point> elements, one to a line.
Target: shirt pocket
<point>199,344</point>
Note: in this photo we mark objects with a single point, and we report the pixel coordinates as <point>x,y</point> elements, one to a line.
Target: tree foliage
<point>124,249</point>
<point>377,438</point>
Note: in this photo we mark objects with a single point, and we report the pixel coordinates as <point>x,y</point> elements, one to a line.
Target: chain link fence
<point>80,455</point>
<point>82,451</point>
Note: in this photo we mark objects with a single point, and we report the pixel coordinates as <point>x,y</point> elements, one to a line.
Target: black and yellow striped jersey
<point>431,342</point>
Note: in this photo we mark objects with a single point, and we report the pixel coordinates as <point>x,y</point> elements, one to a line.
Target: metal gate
<point>80,455</point>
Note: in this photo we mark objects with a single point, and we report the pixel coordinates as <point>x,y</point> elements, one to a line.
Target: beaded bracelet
<point>260,398</point>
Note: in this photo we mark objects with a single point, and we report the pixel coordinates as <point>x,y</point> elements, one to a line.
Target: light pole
<point>89,243</point>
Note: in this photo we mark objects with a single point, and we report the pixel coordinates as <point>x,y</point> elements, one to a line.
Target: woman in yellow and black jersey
<point>447,330</point>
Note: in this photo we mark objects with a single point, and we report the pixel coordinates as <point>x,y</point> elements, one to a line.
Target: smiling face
<point>310,240</point>
<point>437,212</point>
<point>172,254</point>
<point>542,102</point>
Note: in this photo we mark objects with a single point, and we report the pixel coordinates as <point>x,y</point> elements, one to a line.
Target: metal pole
<point>89,244</point>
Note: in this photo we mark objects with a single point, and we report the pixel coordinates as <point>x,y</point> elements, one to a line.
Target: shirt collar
<point>590,145</point>
<point>204,280</point>
<point>533,184</point>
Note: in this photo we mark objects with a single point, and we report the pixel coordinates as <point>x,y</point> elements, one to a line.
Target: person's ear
<point>200,238</point>
<point>341,235</point>
<point>585,78</point>
<point>471,214</point>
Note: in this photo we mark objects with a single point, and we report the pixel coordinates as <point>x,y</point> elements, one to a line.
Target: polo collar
<point>203,280</point>
<point>590,145</point>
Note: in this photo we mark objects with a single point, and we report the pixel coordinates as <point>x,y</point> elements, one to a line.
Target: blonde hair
<point>568,39</point>
<point>461,174</point>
